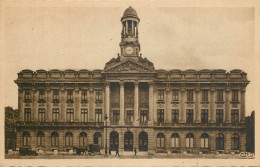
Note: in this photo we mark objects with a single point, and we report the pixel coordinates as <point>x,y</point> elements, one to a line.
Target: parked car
<point>27,151</point>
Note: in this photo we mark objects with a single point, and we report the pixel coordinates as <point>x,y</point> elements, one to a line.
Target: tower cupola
<point>129,37</point>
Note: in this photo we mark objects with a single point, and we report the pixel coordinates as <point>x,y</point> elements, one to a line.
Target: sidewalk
<point>171,156</point>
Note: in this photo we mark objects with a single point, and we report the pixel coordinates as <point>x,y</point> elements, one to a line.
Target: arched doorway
<point>128,141</point>
<point>114,140</point>
<point>97,138</point>
<point>143,141</point>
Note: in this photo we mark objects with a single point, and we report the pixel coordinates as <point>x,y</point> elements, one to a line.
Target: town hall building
<point>130,104</point>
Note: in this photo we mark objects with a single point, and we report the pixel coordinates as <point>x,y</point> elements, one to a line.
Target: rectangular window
<point>219,116</point>
<point>204,96</point>
<point>27,95</point>
<point>143,116</point>
<point>189,118</point>
<point>98,95</point>
<point>27,115</point>
<point>84,96</point>
<point>234,95</point>
<point>55,114</point>
<point>190,95</point>
<point>98,115</point>
<point>70,115</point>
<point>41,96</point>
<point>129,116</point>
<point>160,95</point>
<point>175,116</point>
<point>220,96</point>
<point>160,115</point>
<point>175,95</point>
<point>116,115</point>
<point>41,116</point>
<point>84,115</point>
<point>56,95</point>
<point>204,116</point>
<point>70,96</point>
<point>234,117</point>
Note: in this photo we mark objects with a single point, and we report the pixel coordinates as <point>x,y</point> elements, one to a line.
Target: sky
<point>87,36</point>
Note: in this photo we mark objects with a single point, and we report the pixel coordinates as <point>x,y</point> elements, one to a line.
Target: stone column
<point>227,105</point>
<point>197,106</point>
<point>122,103</point>
<point>107,100</point>
<point>168,105</point>
<point>243,106</point>
<point>91,105</point>
<point>48,102</point>
<point>77,101</point>
<point>136,103</point>
<point>151,103</point>
<point>20,104</point>
<point>63,105</point>
<point>34,105</point>
<point>182,106</point>
<point>212,110</point>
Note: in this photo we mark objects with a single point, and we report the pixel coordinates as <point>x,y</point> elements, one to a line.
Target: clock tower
<point>129,44</point>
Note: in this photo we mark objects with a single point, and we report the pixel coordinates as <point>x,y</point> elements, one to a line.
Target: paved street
<point>172,156</point>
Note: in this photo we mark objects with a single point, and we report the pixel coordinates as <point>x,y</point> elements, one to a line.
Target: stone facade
<point>10,128</point>
<point>153,110</point>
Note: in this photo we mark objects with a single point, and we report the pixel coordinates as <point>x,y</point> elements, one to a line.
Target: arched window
<point>40,139</point>
<point>114,140</point>
<point>68,139</point>
<point>235,142</point>
<point>97,138</point>
<point>143,141</point>
<point>54,139</point>
<point>128,140</point>
<point>204,140</point>
<point>26,139</point>
<point>175,140</point>
<point>83,139</point>
<point>189,140</point>
<point>220,141</point>
<point>160,140</point>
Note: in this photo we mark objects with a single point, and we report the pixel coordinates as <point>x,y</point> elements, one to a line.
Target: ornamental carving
<point>234,105</point>
<point>220,105</point>
<point>190,105</point>
<point>129,67</point>
<point>160,106</point>
<point>204,105</point>
<point>174,105</point>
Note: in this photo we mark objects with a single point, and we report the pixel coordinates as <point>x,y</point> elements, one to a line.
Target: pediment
<point>129,66</point>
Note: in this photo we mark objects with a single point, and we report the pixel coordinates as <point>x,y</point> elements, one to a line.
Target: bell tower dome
<point>129,44</point>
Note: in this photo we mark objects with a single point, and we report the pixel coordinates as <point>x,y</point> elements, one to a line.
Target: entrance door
<point>128,146</point>
<point>143,141</point>
<point>114,140</point>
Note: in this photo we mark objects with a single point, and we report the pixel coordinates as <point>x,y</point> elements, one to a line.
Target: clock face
<point>129,50</point>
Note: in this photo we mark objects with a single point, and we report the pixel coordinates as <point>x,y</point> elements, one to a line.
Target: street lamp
<point>106,134</point>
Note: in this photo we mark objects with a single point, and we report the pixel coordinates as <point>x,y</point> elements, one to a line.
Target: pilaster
<point>34,105</point>
<point>197,105</point>
<point>48,102</point>
<point>168,105</point>
<point>63,105</point>
<point>20,103</point>
<point>212,111</point>
<point>182,106</point>
<point>227,105</point>
<point>243,105</point>
<point>91,105</point>
<point>76,105</point>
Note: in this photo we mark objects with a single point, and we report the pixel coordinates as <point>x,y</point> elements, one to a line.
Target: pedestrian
<point>135,151</point>
<point>109,151</point>
<point>117,152</point>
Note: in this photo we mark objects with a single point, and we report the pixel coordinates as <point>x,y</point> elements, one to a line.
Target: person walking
<point>109,151</point>
<point>135,151</point>
<point>117,152</point>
